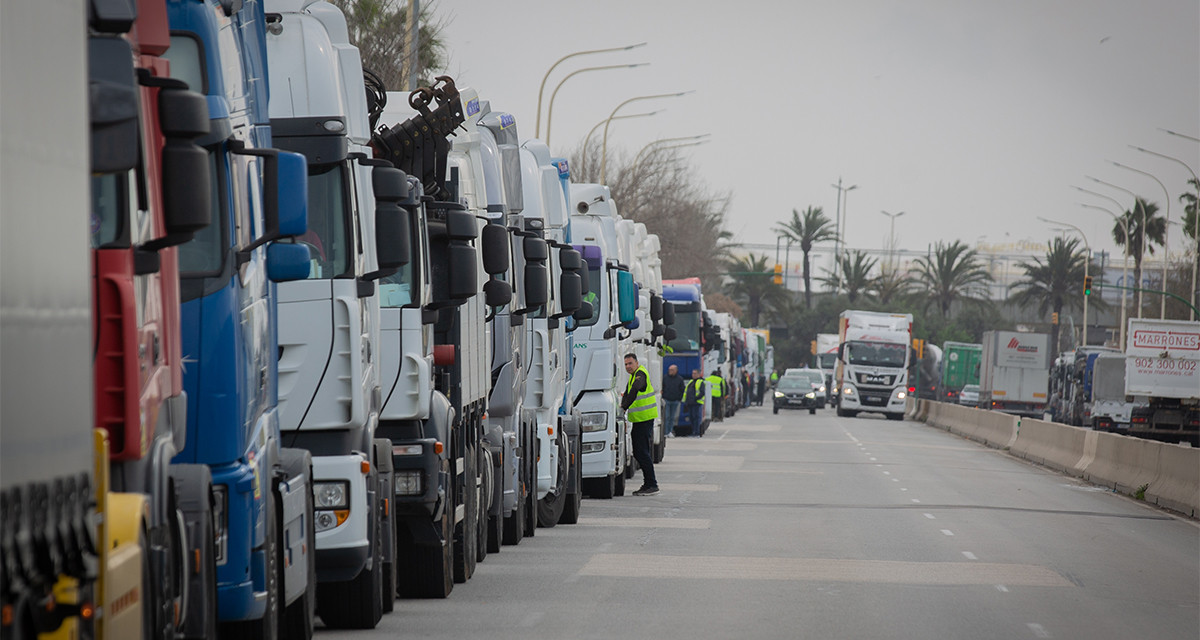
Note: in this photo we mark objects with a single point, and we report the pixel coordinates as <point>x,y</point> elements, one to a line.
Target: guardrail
<point>1167,475</point>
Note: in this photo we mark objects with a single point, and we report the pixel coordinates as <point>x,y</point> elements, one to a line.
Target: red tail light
<point>912,389</point>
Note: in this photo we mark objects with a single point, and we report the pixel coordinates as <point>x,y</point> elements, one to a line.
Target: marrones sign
<point>1162,358</point>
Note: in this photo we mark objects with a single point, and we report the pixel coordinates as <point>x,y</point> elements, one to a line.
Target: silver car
<point>969,396</point>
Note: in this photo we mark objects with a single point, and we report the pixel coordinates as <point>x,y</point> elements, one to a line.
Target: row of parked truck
<point>280,344</point>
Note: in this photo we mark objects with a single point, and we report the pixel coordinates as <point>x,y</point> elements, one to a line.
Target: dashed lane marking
<point>970,556</point>
<point>820,570</point>
<point>1039,631</point>
<point>707,488</point>
<point>648,523</point>
<point>947,532</point>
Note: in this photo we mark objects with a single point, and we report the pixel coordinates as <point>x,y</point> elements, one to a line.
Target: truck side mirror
<point>668,313</point>
<point>291,195</point>
<point>393,224</point>
<point>497,293</point>
<point>656,307</point>
<point>626,297</point>
<point>569,291</point>
<point>187,186</point>
<point>537,274</point>
<point>113,108</point>
<point>669,334</point>
<point>496,260</point>
<point>584,312</point>
<point>287,261</point>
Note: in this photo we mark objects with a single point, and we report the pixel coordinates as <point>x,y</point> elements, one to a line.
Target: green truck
<point>960,367</point>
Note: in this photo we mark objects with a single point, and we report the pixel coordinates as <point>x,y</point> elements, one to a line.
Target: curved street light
<point>554,94</point>
<point>1136,203</point>
<point>838,243</point>
<point>1086,263</point>
<point>637,159</point>
<point>1196,262</point>
<point>604,147</point>
<point>1162,314</point>
<point>542,88</point>
<point>892,237</point>
<point>1124,265</point>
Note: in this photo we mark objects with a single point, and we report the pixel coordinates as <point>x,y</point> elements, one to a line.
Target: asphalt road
<point>812,526</point>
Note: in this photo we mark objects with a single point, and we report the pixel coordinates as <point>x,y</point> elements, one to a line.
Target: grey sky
<point>972,117</point>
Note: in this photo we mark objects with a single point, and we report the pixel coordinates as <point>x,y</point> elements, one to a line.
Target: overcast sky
<point>972,117</point>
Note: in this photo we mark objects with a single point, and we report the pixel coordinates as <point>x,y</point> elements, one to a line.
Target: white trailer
<point>1162,361</point>
<point>1014,373</point>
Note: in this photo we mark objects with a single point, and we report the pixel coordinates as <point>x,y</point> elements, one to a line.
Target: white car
<point>969,396</point>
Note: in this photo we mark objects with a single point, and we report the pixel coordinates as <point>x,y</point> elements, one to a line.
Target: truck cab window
<point>687,331</point>
<point>593,296</point>
<point>203,255</point>
<point>327,239</point>
<point>110,209</point>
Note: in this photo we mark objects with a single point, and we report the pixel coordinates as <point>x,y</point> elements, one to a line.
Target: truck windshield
<point>593,296</point>
<point>826,360</point>
<point>876,354</point>
<point>687,331</point>
<point>328,214</point>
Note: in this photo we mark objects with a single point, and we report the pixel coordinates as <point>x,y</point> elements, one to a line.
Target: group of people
<point>641,409</point>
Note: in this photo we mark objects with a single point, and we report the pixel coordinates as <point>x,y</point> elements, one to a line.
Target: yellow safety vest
<point>717,383</point>
<point>699,391</point>
<point>645,407</point>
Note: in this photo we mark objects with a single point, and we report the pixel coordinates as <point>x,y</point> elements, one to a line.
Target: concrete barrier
<point>1057,446</point>
<point>1177,484</point>
<point>1124,463</point>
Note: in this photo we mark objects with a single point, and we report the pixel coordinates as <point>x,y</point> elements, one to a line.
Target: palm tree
<point>1054,284</point>
<point>952,273</point>
<point>1155,230</point>
<point>807,229</point>
<point>856,267</point>
<point>890,286</point>
<point>752,287</point>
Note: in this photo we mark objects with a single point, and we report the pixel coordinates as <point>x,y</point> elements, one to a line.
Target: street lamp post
<point>638,158</point>
<point>838,243</point>
<point>604,147</point>
<point>1196,181</point>
<point>538,129</point>
<point>1087,261</point>
<point>1121,220</point>
<point>1138,204</point>
<point>587,140</point>
<point>554,94</point>
<point>892,237</point>
<point>1162,314</point>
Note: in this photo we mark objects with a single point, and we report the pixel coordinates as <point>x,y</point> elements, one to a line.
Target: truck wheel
<point>550,509</point>
<point>660,451</point>
<point>267,627</point>
<point>297,619</point>
<point>619,484</point>
<point>464,532</point>
<point>603,488</point>
<point>495,533</point>
<point>574,501</point>
<point>483,499</point>
<point>357,603</point>
<point>514,523</point>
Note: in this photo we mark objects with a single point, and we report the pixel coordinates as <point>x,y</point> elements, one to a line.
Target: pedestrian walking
<point>693,402</point>
<point>640,405</point>
<point>672,393</point>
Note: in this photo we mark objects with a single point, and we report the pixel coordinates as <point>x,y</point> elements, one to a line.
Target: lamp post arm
<point>542,87</point>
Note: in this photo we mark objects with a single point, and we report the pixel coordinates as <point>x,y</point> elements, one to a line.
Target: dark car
<point>803,389</point>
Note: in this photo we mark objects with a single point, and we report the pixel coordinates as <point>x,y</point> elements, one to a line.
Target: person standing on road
<point>693,402</point>
<point>718,391</point>
<point>641,408</point>
<point>762,380</point>
<point>672,392</point>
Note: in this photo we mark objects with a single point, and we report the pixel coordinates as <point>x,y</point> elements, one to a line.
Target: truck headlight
<point>331,495</point>
<point>900,395</point>
<point>220,516</point>
<point>592,447</point>
<point>848,391</point>
<point>594,421</point>
<point>408,483</point>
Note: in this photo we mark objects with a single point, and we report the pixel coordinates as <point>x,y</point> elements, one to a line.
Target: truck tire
<point>531,509</point>
<point>550,510</point>
<point>514,523</point>
<point>574,499</point>
<point>464,532</point>
<point>297,621</point>
<point>775,409</point>
<point>193,482</point>
<point>895,416</point>
<point>619,483</point>
<point>603,488</point>
<point>354,604</point>
<point>531,479</point>
<point>483,535</point>
<point>266,628</point>
<point>495,533</point>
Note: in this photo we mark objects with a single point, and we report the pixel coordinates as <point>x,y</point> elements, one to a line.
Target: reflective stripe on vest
<point>645,407</point>
<point>698,392</point>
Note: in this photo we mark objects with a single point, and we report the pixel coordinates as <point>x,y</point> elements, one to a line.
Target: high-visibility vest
<point>717,383</point>
<point>699,392</point>
<point>645,407</point>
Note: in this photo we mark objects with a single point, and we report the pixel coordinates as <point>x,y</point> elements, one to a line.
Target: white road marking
<point>895,479</point>
<point>851,435</point>
<point>930,516</point>
<point>1038,630</point>
<point>1001,588</point>
<point>914,499</point>
<point>872,459</point>
<point>947,532</point>
<point>886,473</point>
<point>634,565</point>
<point>970,556</point>
<point>905,489</point>
<point>658,523</point>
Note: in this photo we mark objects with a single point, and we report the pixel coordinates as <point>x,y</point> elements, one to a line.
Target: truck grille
<point>881,379</point>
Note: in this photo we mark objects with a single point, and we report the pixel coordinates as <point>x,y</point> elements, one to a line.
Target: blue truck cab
<point>686,349</point>
<point>262,492</point>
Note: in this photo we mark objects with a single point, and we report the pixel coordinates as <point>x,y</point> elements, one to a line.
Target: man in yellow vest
<point>718,390</point>
<point>641,408</point>
<point>693,403</point>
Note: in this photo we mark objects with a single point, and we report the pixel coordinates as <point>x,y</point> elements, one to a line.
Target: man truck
<point>872,365</point>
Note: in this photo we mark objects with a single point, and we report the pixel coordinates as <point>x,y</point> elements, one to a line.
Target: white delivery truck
<point>1014,372</point>
<point>825,359</point>
<point>1162,361</point>
<point>872,363</point>
<point>1107,408</point>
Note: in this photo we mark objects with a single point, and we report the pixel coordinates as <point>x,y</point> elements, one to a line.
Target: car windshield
<point>794,384</point>
<point>971,389</point>
<point>876,354</point>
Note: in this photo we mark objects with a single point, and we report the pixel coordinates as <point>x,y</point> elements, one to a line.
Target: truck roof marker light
<point>334,126</point>
<point>365,466</point>
<point>438,447</point>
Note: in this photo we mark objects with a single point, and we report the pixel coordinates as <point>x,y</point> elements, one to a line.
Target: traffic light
<point>918,346</point>
<point>1087,285</point>
<point>778,273</point>
<point>813,347</point>
<point>1054,317</point>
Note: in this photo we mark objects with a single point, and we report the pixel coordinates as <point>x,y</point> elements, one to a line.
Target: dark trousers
<point>718,409</point>
<point>695,414</point>
<point>643,436</point>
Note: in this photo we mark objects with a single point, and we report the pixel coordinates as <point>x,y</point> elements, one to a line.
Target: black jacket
<point>672,387</point>
<point>639,385</point>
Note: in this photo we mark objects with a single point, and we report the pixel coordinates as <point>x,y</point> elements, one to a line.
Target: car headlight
<point>821,390</point>
<point>331,495</point>
<point>594,421</point>
<point>810,394</point>
<point>780,394</point>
